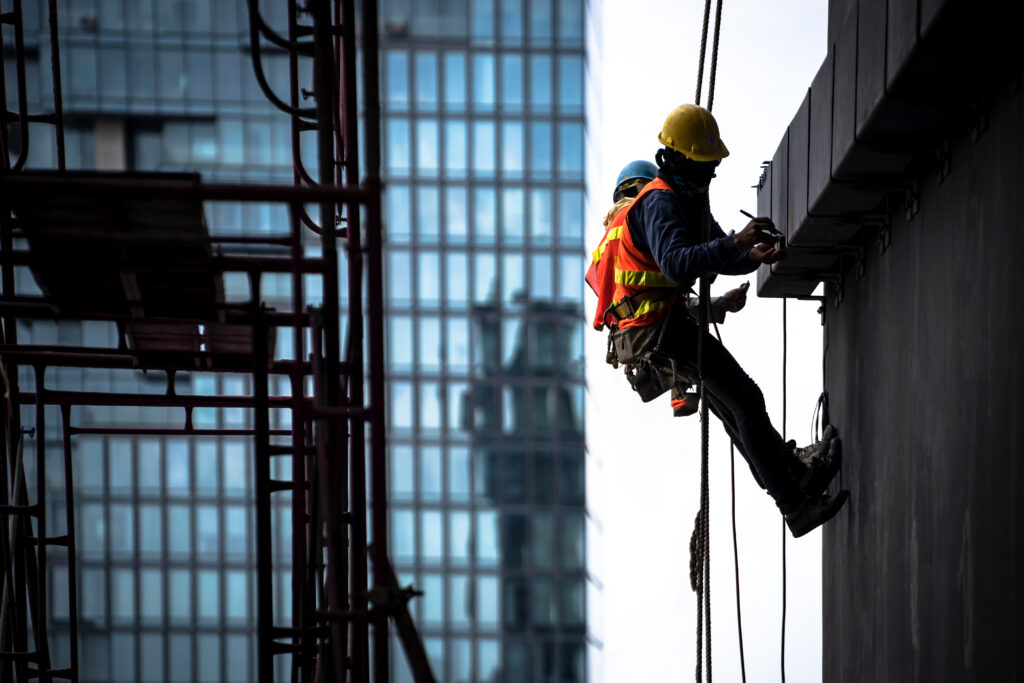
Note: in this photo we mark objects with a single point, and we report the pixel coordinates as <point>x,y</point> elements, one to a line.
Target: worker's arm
<point>658,225</point>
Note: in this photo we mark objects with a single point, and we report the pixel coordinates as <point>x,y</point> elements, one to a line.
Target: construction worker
<point>632,178</point>
<point>652,253</point>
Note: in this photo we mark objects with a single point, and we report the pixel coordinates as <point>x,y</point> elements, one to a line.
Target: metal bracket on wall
<point>942,161</point>
<point>912,201</point>
<point>884,237</point>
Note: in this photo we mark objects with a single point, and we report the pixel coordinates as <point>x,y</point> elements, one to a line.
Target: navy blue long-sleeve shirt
<point>670,230</point>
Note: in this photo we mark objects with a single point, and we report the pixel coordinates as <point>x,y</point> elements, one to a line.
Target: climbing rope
<point>782,656</point>
<point>700,539</point>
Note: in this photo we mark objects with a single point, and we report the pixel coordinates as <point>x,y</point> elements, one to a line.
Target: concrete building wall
<point>922,570</point>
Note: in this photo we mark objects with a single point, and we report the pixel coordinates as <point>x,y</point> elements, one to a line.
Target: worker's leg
<point>737,395</point>
<point>729,423</point>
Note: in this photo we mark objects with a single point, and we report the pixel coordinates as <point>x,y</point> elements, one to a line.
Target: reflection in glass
<point>236,530</point>
<point>570,21</point>
<point>570,148</point>
<point>396,78</point>
<point>401,405</point>
<point>431,537</point>
<point>433,599</point>
<point>512,82</point>
<point>540,276</point>
<point>456,409</point>
<point>427,157</point>
<point>570,83</point>
<point>426,80</point>
<point>430,473</point>
<point>455,81</point>
<point>403,541</point>
<point>483,81</point>
<point>461,600</point>
<point>570,216</point>
<point>458,473</point>
<point>545,603</point>
<point>487,553</point>
<point>484,215</point>
<point>428,214</point>
<point>430,406</point>
<point>540,148</point>
<point>456,279</point>
<point>570,278</point>
<point>488,659</point>
<point>541,21</point>
<point>396,217</point>
<point>122,530</point>
<point>483,148</point>
<point>207,595</point>
<point>572,541</point>
<point>429,340</point>
<point>484,276</point>
<point>512,283</point>
<point>397,136</point>
<point>400,339</point>
<point>512,149</point>
<point>488,602</point>
<point>513,220</point>
<point>236,594</point>
<point>481,18</point>
<point>540,83</point>
<point>542,535</point>
<point>456,215</point>
<point>180,594</point>
<point>458,537</point>
<point>401,474</point>
<point>399,278</point>
<point>455,149</point>
<point>428,277</point>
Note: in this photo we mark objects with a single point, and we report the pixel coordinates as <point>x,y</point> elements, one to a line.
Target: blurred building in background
<point>484,128</point>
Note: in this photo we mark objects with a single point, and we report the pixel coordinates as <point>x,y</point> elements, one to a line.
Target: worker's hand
<point>758,230</point>
<point>735,299</point>
<point>765,253</point>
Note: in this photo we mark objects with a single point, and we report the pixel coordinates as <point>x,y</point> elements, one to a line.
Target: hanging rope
<point>700,539</point>
<point>782,656</point>
<point>735,545</point>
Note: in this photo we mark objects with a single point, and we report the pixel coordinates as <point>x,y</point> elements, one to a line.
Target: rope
<point>735,545</point>
<point>703,49</point>
<point>784,358</point>
<point>714,55</point>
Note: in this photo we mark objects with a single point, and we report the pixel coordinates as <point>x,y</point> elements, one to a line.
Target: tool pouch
<point>650,370</point>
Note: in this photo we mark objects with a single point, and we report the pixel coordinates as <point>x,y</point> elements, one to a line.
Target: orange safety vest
<point>620,270</point>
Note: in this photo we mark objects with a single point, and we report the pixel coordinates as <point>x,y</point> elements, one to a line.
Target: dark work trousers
<point>738,402</point>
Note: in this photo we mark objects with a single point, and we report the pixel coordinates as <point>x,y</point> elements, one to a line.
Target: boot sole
<point>834,506</point>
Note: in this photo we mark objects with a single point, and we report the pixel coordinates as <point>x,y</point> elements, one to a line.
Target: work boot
<point>809,454</point>
<point>814,511</point>
<point>822,469</point>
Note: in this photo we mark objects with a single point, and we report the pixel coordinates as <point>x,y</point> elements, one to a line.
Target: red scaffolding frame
<point>336,428</point>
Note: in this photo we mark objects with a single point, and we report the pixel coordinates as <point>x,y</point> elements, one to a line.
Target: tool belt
<point>650,367</point>
<point>627,307</point>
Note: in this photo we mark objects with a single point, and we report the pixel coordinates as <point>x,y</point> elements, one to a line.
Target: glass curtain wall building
<point>484,128</point>
<point>483,132</point>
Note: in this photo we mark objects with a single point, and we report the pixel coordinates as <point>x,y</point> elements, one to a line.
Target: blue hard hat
<point>637,169</point>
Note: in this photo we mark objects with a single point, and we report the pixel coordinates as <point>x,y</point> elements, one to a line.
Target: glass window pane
<point>396,77</point>
<point>545,604</point>
<point>236,595</point>
<point>206,468</point>
<point>179,657</point>
<point>455,81</point>
<point>150,530</point>
<point>512,82</point>
<point>180,594</point>
<point>208,595</point>
<point>236,531</point>
<point>151,657</point>
<point>570,278</point>
<point>427,158</point>
<point>488,598</point>
<point>570,149</point>
<point>484,215</point>
<point>236,474</point>
<point>541,21</point>
<point>481,17</point>
<point>93,596</point>
<point>397,135</point>
<point>512,283</point>
<point>540,148</point>
<point>457,344</point>
<point>540,216</point>
<point>457,417</point>
<point>179,528</point>
<point>428,214</point>
<point>513,218</point>
<point>570,21</point>
<point>570,83</point>
<point>512,149</point>
<point>540,83</point>
<point>208,657</point>
<point>458,537</point>
<point>542,535</point>
<point>430,406</point>
<point>511,23</point>
<point>456,279</point>
<point>458,474</point>
<point>401,405</point>
<point>489,659</point>
<point>484,277</point>
<point>430,473</point>
<point>483,148</point>
<point>461,601</point>
<point>401,475</point>
<point>151,595</point>
<point>487,552</point>
<point>512,344</point>
<point>426,80</point>
<point>570,216</point>
<point>433,600</point>
<point>428,277</point>
<point>112,74</point>
<point>122,530</point>
<point>400,338</point>
<point>400,278</point>
<point>431,537</point>
<point>403,542</point>
<point>237,652</point>
<point>121,465</point>
<point>455,157</point>
<point>572,541</point>
<point>456,224</point>
<point>397,217</point>
<point>177,468</point>
<point>483,81</point>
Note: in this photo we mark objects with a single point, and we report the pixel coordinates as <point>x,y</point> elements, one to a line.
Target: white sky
<point>645,490</point>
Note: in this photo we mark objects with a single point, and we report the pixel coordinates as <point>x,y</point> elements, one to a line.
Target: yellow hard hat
<point>693,132</point>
